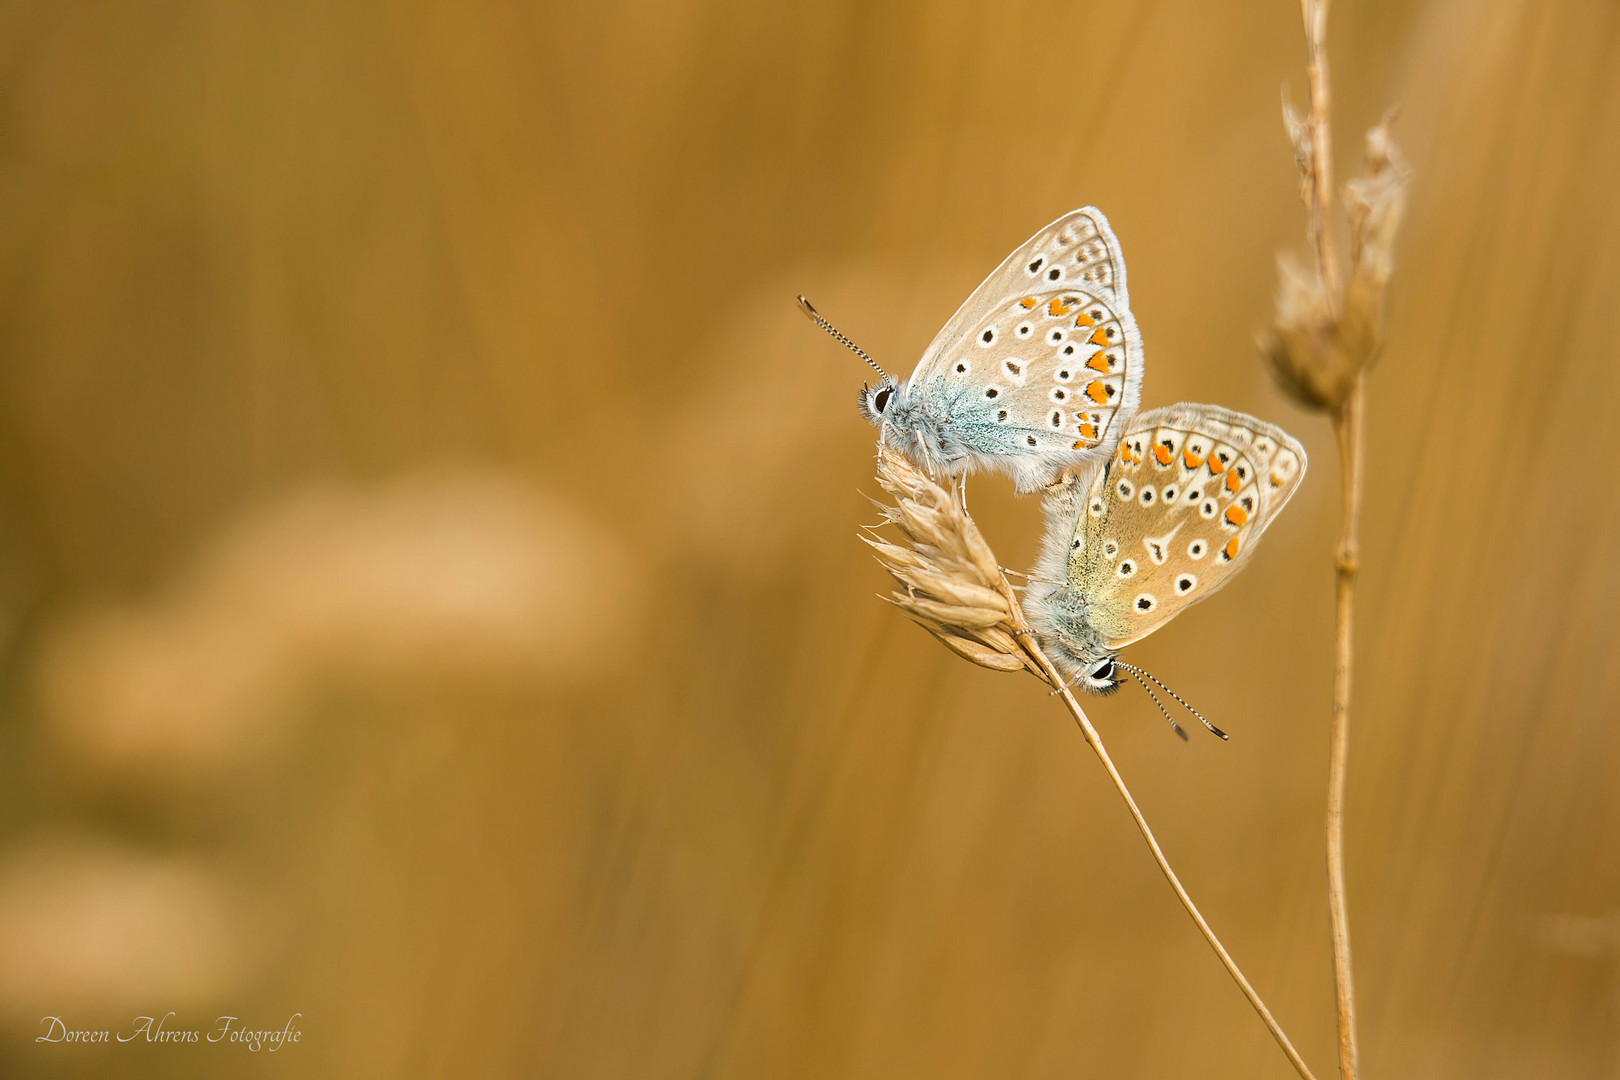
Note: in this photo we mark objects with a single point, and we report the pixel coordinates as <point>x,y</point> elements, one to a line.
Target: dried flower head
<point>1374,203</point>
<point>949,580</point>
<point>1321,338</point>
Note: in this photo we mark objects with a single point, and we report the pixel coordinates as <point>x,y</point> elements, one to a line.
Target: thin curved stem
<point>1027,639</point>
<point>1347,423</point>
<point>1347,426</point>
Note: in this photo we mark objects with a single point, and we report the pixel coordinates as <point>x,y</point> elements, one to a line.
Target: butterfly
<point>1037,372</point>
<point>1133,542</point>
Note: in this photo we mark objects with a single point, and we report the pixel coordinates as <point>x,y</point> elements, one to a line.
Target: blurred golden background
<point>429,601</point>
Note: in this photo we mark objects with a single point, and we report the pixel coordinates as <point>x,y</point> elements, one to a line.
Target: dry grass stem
<point>951,583</point>
<point>1320,344</point>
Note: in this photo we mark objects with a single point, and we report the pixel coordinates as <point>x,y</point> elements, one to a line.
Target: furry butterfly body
<point>1037,372</point>
<point>1163,524</point>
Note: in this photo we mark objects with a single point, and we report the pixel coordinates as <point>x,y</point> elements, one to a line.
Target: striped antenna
<point>815,317</point>
<point>1140,674</point>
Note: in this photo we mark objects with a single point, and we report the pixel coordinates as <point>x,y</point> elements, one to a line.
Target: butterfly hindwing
<point>1176,513</point>
<point>1046,376</point>
<point>1036,372</point>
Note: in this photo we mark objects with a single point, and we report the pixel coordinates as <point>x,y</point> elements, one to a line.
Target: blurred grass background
<point>428,594</point>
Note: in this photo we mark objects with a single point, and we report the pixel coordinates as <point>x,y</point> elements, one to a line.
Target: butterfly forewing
<point>1037,370</point>
<point>1079,247</point>
<point>1176,513</point>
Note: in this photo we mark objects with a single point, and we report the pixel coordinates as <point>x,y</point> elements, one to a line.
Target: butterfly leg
<point>1068,684</point>
<point>1030,577</point>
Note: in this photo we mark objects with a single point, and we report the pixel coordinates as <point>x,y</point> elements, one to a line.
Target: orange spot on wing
<point>1084,320</point>
<point>1029,302</point>
<point>1098,362</point>
<point>1162,453</point>
<point>1057,307</point>
<point>1100,337</point>
<point>1232,546</point>
<point>1216,465</point>
<point>1236,515</point>
<point>1232,481</point>
<point>1276,481</point>
<point>1097,392</point>
<point>1190,459</point>
<point>1088,431</point>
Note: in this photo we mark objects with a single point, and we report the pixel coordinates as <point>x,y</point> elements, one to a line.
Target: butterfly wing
<point>1080,245</point>
<point>1176,513</point>
<point>1041,367</point>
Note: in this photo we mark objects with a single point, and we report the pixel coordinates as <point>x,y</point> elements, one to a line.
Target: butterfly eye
<point>1102,670</point>
<point>880,400</point>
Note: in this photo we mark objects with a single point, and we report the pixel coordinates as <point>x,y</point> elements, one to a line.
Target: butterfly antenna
<point>838,335</point>
<point>1139,673</point>
<point>1180,731</point>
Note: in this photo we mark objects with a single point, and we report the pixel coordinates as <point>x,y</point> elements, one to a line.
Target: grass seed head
<point>948,577</point>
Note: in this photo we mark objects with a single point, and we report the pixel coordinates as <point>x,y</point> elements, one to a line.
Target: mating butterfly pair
<point>1039,375</point>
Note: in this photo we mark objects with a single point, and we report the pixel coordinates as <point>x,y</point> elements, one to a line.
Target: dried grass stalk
<point>950,582</point>
<point>1321,342</point>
